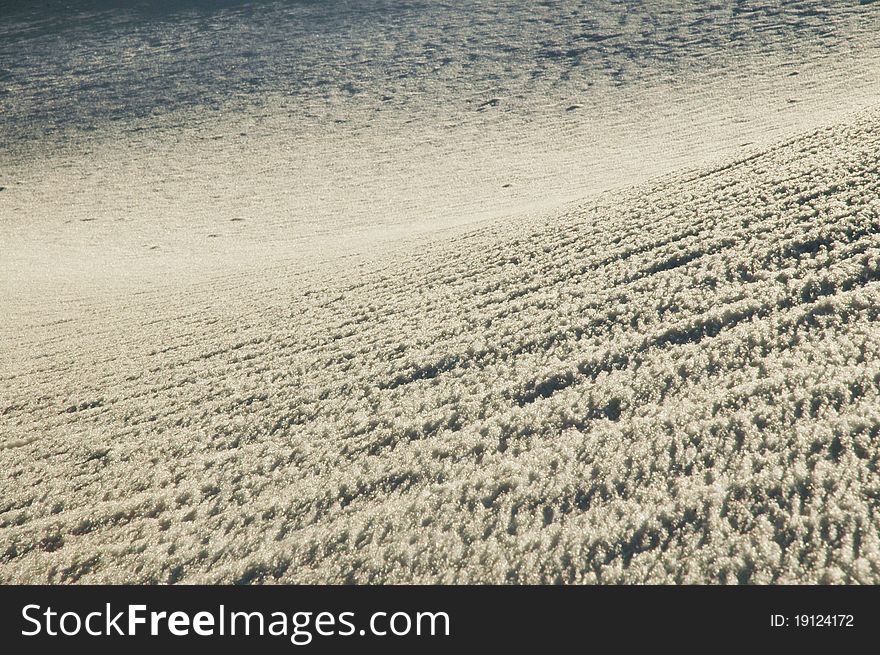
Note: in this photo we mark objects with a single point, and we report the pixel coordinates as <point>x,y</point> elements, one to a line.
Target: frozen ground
<point>440,292</point>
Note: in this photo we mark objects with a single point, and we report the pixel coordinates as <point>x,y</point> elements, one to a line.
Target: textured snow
<point>264,346</point>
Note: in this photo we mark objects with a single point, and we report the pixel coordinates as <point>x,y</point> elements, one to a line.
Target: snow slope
<point>439,292</point>
<point>143,145</point>
<point>675,383</point>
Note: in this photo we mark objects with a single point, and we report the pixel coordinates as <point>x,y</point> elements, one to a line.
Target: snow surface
<point>440,292</point>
